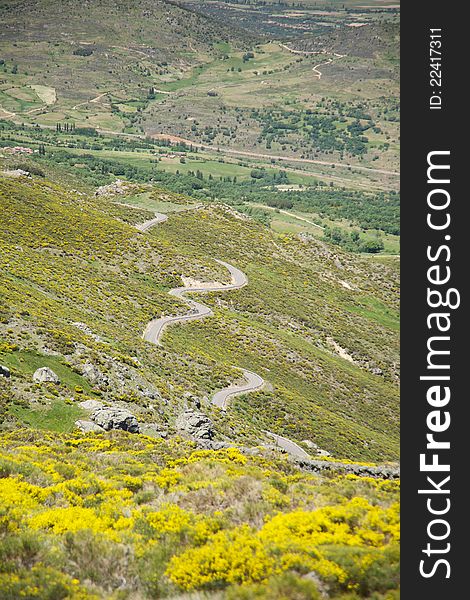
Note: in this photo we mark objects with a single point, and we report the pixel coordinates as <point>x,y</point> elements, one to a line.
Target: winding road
<point>288,445</point>
<point>159,218</point>
<point>155,328</point>
<point>253,382</point>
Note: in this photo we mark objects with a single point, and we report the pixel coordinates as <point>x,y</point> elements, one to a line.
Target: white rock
<point>90,405</point>
<point>45,375</point>
<point>4,371</point>
<point>88,426</point>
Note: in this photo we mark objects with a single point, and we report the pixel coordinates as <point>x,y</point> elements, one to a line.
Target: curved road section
<point>253,382</point>
<point>154,331</point>
<point>159,218</point>
<point>155,328</point>
<point>288,445</point>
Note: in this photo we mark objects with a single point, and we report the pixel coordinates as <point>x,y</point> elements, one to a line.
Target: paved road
<point>288,445</point>
<point>253,382</point>
<point>159,218</point>
<point>154,331</point>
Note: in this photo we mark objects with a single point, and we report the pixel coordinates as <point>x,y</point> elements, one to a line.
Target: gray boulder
<point>88,427</point>
<point>94,375</point>
<point>45,375</point>
<point>196,424</point>
<point>90,405</point>
<point>153,430</point>
<point>115,418</point>
<point>4,371</point>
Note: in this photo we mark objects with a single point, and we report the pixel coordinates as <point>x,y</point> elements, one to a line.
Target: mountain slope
<point>319,327</point>
<point>98,54</point>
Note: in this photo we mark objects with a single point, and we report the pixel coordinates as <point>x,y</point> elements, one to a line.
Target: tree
<point>372,246</point>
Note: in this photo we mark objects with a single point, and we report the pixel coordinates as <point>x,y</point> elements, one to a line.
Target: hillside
<point>105,52</point>
<point>199,300</point>
<point>317,325</point>
<point>174,509</point>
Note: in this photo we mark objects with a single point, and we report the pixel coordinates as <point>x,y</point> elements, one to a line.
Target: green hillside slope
<point>319,326</point>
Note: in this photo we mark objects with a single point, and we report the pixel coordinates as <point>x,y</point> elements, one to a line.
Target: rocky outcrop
<point>4,372</point>
<point>88,427</point>
<point>45,375</point>
<point>196,424</point>
<point>90,405</point>
<point>117,187</point>
<point>15,173</point>
<point>378,472</point>
<point>94,375</point>
<point>115,418</point>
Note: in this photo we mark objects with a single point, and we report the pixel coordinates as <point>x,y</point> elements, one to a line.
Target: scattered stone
<point>45,375</point>
<point>153,430</point>
<point>318,466</point>
<point>94,375</point>
<point>88,427</point>
<point>196,424</point>
<point>90,405</point>
<point>115,418</point>
<point>84,327</point>
<point>376,371</point>
<point>4,372</point>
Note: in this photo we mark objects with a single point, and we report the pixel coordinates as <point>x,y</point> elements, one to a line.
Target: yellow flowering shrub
<point>72,518</point>
<point>356,523</point>
<point>230,557</point>
<point>288,541</point>
<point>167,478</point>
<point>18,494</point>
<point>42,582</point>
<point>169,518</point>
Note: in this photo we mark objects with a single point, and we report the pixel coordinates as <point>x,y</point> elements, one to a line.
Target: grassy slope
<point>73,258</point>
